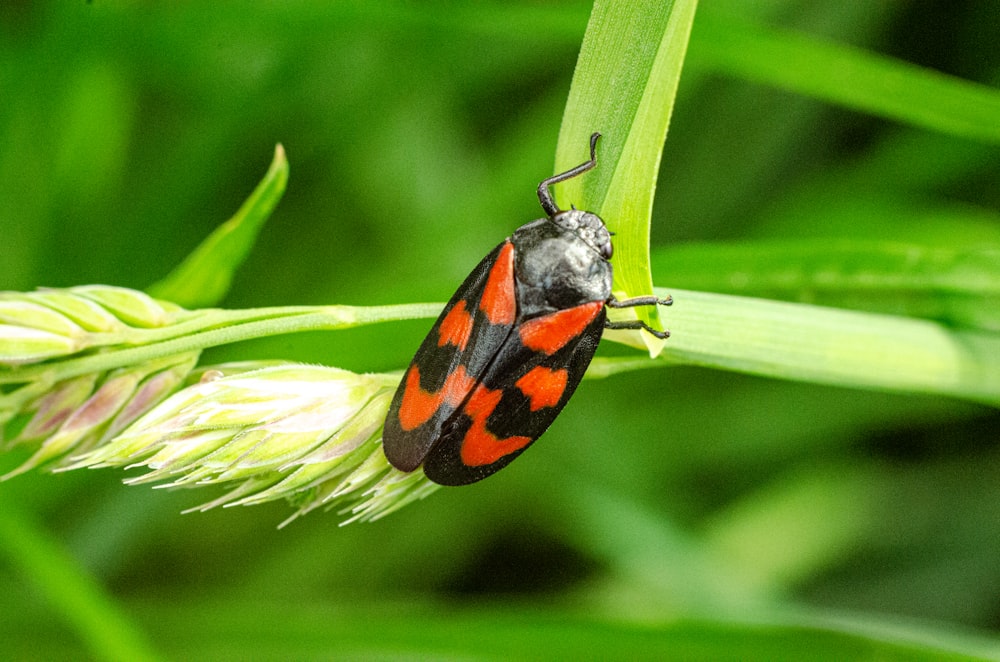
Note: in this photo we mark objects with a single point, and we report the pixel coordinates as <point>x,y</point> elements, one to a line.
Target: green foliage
<point>850,77</point>
<point>634,118</point>
<point>694,512</point>
<point>205,276</point>
<point>73,594</point>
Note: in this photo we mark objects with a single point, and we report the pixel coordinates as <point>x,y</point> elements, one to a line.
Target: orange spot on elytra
<point>482,402</point>
<point>419,406</point>
<point>550,333</point>
<point>456,327</point>
<point>498,300</point>
<point>480,446</point>
<point>543,386</point>
<point>457,386</point>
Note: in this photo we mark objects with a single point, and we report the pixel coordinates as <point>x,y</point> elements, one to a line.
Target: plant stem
<point>218,327</point>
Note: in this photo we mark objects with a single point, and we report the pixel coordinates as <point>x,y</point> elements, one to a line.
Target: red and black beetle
<point>510,347</point>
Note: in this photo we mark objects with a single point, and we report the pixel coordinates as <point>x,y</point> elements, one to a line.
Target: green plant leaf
<point>204,277</point>
<point>956,285</point>
<point>524,633</point>
<point>848,76</point>
<point>624,86</point>
<point>829,346</point>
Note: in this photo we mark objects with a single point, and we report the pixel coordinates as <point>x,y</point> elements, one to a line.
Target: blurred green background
<point>416,135</point>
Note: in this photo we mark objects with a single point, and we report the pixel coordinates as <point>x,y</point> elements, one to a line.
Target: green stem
<point>205,331</point>
<point>187,323</point>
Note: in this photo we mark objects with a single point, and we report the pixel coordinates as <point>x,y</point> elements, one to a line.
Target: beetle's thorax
<point>559,263</point>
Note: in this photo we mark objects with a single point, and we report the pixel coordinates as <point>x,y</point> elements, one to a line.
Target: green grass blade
<point>624,86</point>
<point>830,346</point>
<point>237,630</point>
<point>204,277</point>
<point>106,631</point>
<point>956,285</point>
<point>848,76</point>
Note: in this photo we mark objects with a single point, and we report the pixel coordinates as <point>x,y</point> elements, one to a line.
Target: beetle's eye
<point>606,250</point>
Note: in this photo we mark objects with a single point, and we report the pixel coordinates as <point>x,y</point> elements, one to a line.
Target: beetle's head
<point>587,226</point>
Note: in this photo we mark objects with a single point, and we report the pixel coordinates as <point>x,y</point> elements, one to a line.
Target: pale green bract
<point>95,377</point>
<point>48,323</point>
<point>66,411</point>
<point>310,434</point>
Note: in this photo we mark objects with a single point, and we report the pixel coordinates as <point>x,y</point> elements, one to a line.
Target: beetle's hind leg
<point>612,302</point>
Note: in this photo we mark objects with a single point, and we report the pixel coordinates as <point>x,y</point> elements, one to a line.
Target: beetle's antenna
<point>545,196</point>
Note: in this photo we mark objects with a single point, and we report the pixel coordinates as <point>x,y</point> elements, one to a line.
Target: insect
<point>510,347</point>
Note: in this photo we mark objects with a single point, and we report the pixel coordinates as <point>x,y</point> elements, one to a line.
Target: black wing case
<point>520,395</point>
<point>452,359</point>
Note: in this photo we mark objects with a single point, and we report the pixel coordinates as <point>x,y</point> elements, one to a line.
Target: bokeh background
<point>416,135</point>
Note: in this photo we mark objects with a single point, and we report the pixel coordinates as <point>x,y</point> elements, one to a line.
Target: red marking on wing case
<point>418,405</point>
<point>480,446</point>
<point>498,301</point>
<point>543,386</point>
<point>456,327</point>
<point>550,333</point>
<point>482,402</point>
<point>457,386</point>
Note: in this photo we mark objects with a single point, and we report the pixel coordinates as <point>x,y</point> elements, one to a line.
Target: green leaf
<point>956,285</point>
<point>848,76</point>
<point>204,277</point>
<point>231,632</point>
<point>624,87</point>
<point>830,346</point>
